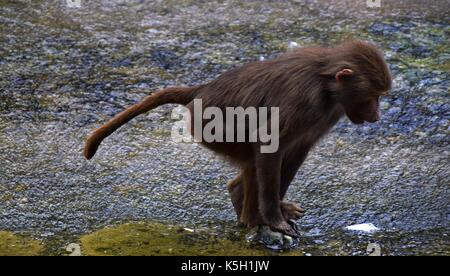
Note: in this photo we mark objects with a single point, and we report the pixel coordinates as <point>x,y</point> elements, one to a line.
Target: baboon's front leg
<point>268,171</point>
<point>289,167</point>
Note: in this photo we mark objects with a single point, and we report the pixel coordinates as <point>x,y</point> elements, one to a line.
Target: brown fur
<point>313,88</point>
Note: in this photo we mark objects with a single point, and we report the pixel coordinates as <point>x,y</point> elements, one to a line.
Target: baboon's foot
<point>291,211</point>
<point>285,227</point>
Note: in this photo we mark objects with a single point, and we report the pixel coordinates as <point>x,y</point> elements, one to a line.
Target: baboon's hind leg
<point>250,210</point>
<point>244,196</point>
<point>236,190</point>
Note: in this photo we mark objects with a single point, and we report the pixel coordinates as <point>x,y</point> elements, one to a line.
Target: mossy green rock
<point>157,239</point>
<point>15,245</point>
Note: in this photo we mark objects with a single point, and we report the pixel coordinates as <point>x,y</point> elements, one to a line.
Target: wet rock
<point>164,58</point>
<point>291,45</point>
<point>74,249</point>
<point>313,232</point>
<point>383,29</point>
<point>276,240</point>
<point>363,227</point>
<point>63,73</point>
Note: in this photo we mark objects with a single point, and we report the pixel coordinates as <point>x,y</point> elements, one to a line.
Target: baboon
<point>313,88</point>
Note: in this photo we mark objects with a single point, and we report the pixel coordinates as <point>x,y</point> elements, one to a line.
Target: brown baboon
<point>312,87</point>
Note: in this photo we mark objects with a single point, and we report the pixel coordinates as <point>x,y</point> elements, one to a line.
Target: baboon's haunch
<point>313,88</point>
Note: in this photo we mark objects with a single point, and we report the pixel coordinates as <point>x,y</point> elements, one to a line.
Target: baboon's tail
<point>178,95</point>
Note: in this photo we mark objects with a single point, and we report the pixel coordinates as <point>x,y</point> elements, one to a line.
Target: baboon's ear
<point>344,73</point>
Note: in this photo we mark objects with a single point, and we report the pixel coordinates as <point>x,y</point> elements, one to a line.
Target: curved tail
<point>178,95</point>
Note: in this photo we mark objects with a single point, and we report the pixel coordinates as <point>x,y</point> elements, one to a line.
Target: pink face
<point>367,111</point>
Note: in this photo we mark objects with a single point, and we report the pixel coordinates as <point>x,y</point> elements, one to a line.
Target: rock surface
<point>64,71</point>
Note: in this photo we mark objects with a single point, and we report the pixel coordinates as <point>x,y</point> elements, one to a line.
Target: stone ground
<point>64,71</point>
